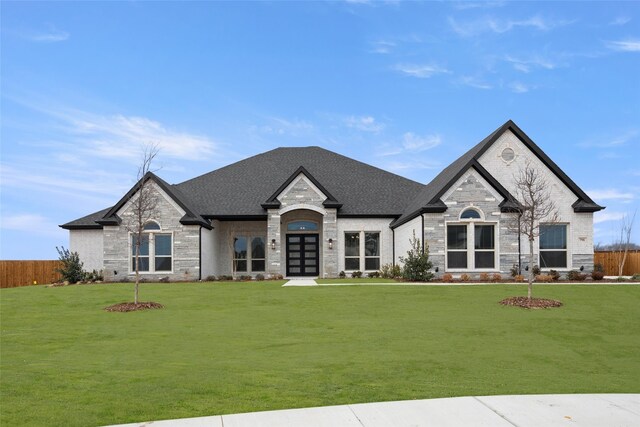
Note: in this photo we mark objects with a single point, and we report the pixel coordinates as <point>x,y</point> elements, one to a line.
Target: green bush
<point>342,275</point>
<point>373,274</point>
<point>71,270</point>
<point>555,276</point>
<point>390,271</point>
<point>575,275</point>
<point>356,274</point>
<point>416,264</point>
<point>259,277</point>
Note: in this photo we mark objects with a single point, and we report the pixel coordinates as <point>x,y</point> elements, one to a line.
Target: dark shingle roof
<point>428,200</point>
<point>86,222</point>
<point>241,188</point>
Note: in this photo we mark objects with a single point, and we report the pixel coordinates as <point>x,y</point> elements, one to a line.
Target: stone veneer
<point>185,240</point>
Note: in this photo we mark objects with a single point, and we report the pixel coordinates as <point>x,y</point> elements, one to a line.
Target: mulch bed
<point>525,302</point>
<point>130,306</point>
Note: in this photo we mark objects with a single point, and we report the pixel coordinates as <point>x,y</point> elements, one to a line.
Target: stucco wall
<point>88,244</point>
<point>185,239</point>
<point>404,233</point>
<point>209,251</point>
<point>580,225</point>
<point>365,224</point>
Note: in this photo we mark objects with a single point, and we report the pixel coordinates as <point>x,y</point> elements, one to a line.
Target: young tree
<point>142,208</point>
<point>416,265</point>
<point>536,207</point>
<point>623,244</point>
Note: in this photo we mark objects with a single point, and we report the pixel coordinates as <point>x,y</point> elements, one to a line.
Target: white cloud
<point>465,5</point>
<point>53,35</point>
<point>280,126</point>
<point>525,65</point>
<point>420,71</point>
<point>415,143</point>
<point>519,87</point>
<point>399,166</point>
<point>382,47</point>
<point>604,216</point>
<point>620,20</point>
<point>628,45</point>
<point>32,224</point>
<point>364,123</point>
<point>611,141</point>
<point>500,26</point>
<point>610,194</point>
<point>475,83</point>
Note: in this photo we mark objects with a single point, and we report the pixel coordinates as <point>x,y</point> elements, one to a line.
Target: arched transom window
<point>470,214</point>
<point>155,249</point>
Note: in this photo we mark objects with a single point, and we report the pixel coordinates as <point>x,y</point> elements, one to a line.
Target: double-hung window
<point>249,254</point>
<point>553,245</point>
<point>362,249</point>
<point>471,245</point>
<point>156,250</point>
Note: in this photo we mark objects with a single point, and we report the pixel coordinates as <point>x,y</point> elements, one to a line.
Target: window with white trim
<point>553,246</point>
<point>156,250</point>
<point>249,254</point>
<point>362,249</point>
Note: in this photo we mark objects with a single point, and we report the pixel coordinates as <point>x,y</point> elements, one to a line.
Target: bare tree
<point>536,207</point>
<point>623,243</point>
<point>142,208</point>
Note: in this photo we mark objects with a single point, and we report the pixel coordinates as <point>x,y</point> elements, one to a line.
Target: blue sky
<point>407,87</point>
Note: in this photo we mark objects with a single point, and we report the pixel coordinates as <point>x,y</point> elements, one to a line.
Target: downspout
<point>393,246</point>
<point>519,245</point>
<point>422,217</point>
<point>200,255</point>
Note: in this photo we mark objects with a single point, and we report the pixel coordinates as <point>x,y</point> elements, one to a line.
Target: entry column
<point>274,256</point>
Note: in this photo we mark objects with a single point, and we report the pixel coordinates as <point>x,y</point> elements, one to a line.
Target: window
<point>471,246</point>
<point>553,246</point>
<point>362,249</point>
<point>156,250</point>
<point>470,214</point>
<point>352,251</point>
<point>249,253</point>
<point>371,251</point>
<point>302,226</point>
<point>508,155</point>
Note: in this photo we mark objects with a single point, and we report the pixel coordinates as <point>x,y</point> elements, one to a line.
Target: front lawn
<point>221,348</point>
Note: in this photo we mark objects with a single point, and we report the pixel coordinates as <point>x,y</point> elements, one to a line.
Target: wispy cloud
<point>31,224</point>
<point>52,35</point>
<point>604,216</point>
<point>475,83</point>
<point>465,5</point>
<point>411,143</point>
<point>611,194</point>
<point>382,46</point>
<point>281,126</point>
<point>400,166</point>
<point>611,141</point>
<point>364,123</point>
<point>519,87</point>
<point>620,20</point>
<point>526,65</point>
<point>422,71</point>
<point>500,26</point>
<point>629,45</point>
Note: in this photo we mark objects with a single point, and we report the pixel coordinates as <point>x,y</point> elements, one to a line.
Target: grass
<point>237,347</point>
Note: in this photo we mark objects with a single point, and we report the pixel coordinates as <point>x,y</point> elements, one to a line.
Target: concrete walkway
<point>576,410</point>
<point>300,282</point>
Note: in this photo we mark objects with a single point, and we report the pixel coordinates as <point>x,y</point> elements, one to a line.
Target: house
<point>307,211</point>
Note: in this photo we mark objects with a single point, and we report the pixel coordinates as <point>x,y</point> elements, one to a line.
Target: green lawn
<point>235,347</point>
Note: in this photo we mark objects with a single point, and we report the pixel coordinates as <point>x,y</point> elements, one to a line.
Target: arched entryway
<point>302,237</point>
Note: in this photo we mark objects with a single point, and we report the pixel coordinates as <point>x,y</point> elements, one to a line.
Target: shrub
<point>514,270</point>
<point>71,269</point>
<point>598,267</point>
<point>416,264</point>
<point>259,277</point>
<point>447,278</point>
<point>390,271</point>
<point>620,279</point>
<point>597,275</point>
<point>356,274</point>
<point>555,276</point>
<point>536,270</point>
<point>225,278</point>
<point>544,278</point>
<point>636,276</point>
<point>496,277</point>
<point>373,274</point>
<point>342,275</point>
<point>465,277</point>
<point>575,275</point>
<point>484,277</point>
<point>244,278</point>
<point>519,278</point>
<point>210,279</point>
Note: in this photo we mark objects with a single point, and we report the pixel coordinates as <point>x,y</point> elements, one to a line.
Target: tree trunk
<point>531,264</point>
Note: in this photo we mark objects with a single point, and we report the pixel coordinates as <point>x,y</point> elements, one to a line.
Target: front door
<point>302,254</point>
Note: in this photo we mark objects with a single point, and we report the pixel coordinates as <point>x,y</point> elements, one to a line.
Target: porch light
<point>582,268</point>
<point>437,269</point>
<point>330,243</point>
<point>273,244</point>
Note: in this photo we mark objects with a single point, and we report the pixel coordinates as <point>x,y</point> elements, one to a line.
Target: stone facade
<point>185,242</point>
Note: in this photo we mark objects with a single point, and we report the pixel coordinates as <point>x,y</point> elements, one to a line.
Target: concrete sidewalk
<point>576,410</point>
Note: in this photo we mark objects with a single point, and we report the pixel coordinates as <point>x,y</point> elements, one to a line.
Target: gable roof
<point>428,200</point>
<point>273,201</point>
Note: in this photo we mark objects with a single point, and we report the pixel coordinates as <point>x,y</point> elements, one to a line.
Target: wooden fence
<point>25,273</point>
<point>610,261</point>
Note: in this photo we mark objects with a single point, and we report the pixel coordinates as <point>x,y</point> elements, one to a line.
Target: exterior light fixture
<point>330,243</point>
<point>582,268</point>
<point>273,244</point>
<point>526,268</point>
<point>437,269</point>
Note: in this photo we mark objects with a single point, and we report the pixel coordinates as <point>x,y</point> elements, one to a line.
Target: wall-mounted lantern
<point>273,244</point>
<point>330,243</point>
